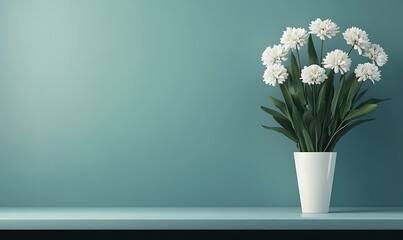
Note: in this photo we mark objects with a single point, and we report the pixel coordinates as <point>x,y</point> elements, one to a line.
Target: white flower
<point>294,38</point>
<point>337,60</point>
<point>323,29</point>
<point>274,54</point>
<point>357,38</point>
<point>367,71</point>
<point>275,73</point>
<point>313,74</point>
<point>376,54</point>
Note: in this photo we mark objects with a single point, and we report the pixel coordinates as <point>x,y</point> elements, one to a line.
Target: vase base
<point>314,212</point>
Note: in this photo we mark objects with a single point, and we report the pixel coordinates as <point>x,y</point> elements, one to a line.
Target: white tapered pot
<point>315,172</point>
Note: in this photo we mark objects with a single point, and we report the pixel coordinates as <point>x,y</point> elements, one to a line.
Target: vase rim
<point>313,152</point>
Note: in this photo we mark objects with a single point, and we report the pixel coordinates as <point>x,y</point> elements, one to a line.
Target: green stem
<point>299,69</point>
<point>315,114</point>
<point>351,49</point>
<point>339,128</point>
<point>356,94</point>
<point>324,134</point>
<point>321,53</point>
<point>299,60</point>
<point>316,140</point>
<point>314,100</point>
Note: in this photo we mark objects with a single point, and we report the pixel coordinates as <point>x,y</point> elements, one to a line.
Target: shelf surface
<point>199,218</point>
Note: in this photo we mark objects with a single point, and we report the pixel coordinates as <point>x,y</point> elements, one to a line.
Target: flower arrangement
<point>321,100</point>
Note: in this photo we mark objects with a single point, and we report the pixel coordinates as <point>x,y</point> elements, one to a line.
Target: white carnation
<point>313,74</point>
<point>275,54</point>
<point>294,38</point>
<point>367,71</point>
<point>275,73</point>
<point>322,29</point>
<point>357,38</point>
<point>376,54</point>
<point>338,61</point>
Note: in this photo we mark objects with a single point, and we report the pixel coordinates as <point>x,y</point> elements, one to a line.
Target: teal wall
<point>157,103</point>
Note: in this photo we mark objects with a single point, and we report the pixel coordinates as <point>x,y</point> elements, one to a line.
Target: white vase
<point>315,172</point>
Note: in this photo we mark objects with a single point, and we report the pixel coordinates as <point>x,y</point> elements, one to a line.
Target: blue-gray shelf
<point>198,218</point>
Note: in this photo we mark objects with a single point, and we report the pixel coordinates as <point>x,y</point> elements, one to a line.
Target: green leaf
<point>321,103</point>
<point>280,105</point>
<point>272,112</point>
<point>325,97</point>
<point>341,91</point>
<point>285,123</point>
<point>307,118</point>
<point>308,141</point>
<point>287,98</point>
<point>372,101</point>
<point>359,112</point>
<point>295,83</point>
<point>282,131</point>
<point>294,71</point>
<point>295,115</point>
<point>352,92</point>
<point>339,99</point>
<point>329,82</point>
<point>330,76</point>
<point>289,83</point>
<point>345,129</point>
<point>313,57</point>
<point>325,135</point>
<point>336,96</point>
<point>323,110</point>
<point>314,131</point>
<point>310,124</point>
<point>298,126</point>
<point>349,81</point>
<point>309,94</point>
<point>353,124</point>
<point>280,119</point>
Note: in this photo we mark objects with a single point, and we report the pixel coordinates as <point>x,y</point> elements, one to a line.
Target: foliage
<point>316,116</point>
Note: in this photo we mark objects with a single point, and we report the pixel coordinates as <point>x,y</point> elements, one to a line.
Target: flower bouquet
<point>322,100</point>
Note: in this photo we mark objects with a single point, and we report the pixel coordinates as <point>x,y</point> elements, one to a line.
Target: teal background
<point>157,103</point>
